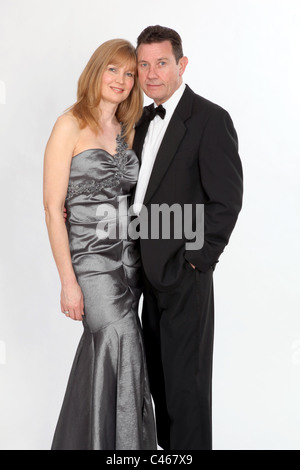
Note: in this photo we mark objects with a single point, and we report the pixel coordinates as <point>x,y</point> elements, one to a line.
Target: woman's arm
<point>57,161</point>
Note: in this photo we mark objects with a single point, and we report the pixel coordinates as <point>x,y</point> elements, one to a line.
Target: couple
<point>184,152</point>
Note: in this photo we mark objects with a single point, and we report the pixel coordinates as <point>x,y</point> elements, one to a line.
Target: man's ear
<point>182,64</point>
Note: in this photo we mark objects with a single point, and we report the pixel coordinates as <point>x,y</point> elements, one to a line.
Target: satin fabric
<point>107,405</point>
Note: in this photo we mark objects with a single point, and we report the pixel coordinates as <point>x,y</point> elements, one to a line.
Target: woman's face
<point>117,82</point>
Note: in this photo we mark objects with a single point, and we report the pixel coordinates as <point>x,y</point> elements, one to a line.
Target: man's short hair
<point>159,34</point>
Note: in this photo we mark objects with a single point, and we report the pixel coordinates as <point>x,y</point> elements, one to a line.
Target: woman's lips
<point>117,90</point>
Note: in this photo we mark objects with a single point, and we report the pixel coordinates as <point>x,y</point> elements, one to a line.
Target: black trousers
<point>178,331</point>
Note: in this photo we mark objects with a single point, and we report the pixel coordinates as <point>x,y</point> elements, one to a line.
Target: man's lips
<point>153,85</point>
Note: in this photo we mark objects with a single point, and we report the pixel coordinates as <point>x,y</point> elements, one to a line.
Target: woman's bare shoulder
<point>64,135</point>
<point>67,122</point>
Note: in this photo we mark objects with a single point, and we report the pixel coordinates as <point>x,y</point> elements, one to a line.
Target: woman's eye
<point>112,69</point>
<point>130,74</point>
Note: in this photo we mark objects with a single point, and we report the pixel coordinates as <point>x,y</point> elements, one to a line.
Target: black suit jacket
<point>197,163</point>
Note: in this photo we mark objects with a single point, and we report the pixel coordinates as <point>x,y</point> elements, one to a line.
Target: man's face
<point>159,74</point>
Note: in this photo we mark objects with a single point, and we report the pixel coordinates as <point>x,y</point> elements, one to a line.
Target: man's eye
<point>162,63</point>
<point>143,66</point>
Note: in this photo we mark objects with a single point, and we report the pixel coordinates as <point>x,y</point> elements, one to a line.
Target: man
<point>189,156</point>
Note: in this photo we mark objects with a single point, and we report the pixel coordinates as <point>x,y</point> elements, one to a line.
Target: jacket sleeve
<point>222,179</point>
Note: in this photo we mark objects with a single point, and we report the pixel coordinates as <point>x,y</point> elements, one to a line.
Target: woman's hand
<point>71,301</point>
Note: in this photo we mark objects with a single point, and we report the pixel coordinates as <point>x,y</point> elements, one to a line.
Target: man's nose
<point>152,73</point>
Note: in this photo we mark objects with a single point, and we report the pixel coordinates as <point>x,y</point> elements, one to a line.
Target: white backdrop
<point>243,54</point>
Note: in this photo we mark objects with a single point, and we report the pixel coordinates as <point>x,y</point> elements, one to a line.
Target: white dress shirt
<point>154,137</point>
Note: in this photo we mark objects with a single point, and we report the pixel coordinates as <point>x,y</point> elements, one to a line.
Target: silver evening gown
<point>107,405</point>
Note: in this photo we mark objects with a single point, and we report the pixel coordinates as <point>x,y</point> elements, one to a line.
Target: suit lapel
<point>170,143</point>
<point>173,136</point>
<point>141,129</point>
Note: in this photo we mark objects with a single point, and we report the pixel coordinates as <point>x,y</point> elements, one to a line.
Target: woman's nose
<point>120,78</point>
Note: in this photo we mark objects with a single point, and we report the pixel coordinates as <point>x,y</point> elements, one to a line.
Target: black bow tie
<point>151,112</point>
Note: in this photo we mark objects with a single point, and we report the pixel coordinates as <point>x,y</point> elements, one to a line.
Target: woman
<point>90,168</point>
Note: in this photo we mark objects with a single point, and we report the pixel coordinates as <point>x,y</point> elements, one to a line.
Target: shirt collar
<point>173,101</point>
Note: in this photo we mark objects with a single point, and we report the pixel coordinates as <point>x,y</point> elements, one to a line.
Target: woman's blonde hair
<point>115,51</point>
